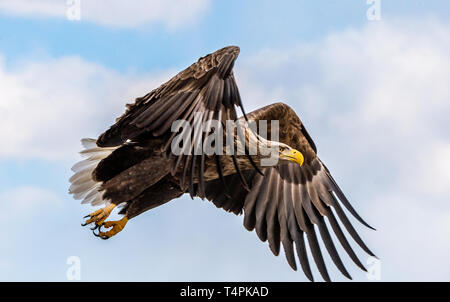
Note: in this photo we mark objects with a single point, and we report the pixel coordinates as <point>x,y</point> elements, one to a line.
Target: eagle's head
<point>268,152</point>
<point>273,151</point>
<point>287,153</point>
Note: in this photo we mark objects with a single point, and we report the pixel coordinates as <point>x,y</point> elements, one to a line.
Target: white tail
<point>83,186</point>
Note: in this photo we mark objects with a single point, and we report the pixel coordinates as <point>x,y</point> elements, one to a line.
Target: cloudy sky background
<point>373,94</point>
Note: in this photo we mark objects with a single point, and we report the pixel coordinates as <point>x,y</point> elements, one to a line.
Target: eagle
<point>277,181</point>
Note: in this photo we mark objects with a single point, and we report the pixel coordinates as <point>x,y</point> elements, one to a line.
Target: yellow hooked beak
<point>293,155</point>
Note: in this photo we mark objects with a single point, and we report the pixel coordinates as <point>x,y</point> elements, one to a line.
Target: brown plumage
<point>132,164</point>
<point>285,204</point>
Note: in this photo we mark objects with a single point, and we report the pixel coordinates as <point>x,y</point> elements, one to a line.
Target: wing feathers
<point>351,230</point>
<point>261,205</point>
<point>250,201</point>
<point>347,204</point>
<point>341,237</point>
<point>287,203</point>
<point>273,225</point>
<point>316,253</point>
<point>331,248</point>
<point>206,87</point>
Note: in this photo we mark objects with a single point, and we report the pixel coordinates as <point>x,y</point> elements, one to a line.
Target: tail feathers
<point>83,186</point>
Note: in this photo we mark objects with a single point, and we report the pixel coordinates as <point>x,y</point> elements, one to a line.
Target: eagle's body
<point>132,164</point>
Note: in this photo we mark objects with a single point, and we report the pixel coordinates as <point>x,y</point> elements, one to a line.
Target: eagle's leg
<point>99,216</point>
<point>117,226</point>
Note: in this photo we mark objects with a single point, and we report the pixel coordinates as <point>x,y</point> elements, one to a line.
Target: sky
<point>373,93</point>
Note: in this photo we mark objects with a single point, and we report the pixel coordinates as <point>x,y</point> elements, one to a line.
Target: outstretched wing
<point>289,201</point>
<point>206,90</point>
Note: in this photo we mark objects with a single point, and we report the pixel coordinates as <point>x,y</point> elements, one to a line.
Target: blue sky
<point>373,94</point>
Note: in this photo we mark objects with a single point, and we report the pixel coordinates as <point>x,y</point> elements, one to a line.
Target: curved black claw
<point>105,237</point>
<point>85,224</point>
<point>96,226</point>
<point>99,228</point>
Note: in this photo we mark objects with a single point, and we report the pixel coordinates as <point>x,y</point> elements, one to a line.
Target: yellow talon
<point>100,215</point>
<point>117,226</point>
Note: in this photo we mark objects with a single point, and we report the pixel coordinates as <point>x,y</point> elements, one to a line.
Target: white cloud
<point>46,7</point>
<point>436,169</point>
<point>173,13</point>
<point>47,107</point>
<point>376,100</point>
